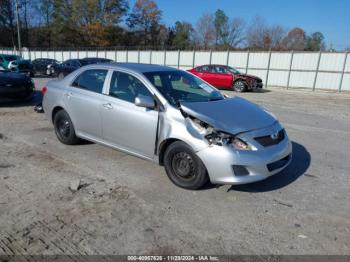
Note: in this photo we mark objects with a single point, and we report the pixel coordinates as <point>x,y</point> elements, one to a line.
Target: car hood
<point>232,115</point>
<point>248,76</point>
<point>23,61</point>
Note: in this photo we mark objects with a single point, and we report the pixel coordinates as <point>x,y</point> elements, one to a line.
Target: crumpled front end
<point>270,151</point>
<point>238,142</point>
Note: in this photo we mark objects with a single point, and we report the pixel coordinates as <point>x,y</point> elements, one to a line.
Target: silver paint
<point>133,129</point>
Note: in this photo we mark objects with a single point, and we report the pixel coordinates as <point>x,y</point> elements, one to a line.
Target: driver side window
<point>220,69</point>
<point>127,87</point>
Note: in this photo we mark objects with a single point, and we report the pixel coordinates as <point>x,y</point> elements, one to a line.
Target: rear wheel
<point>183,167</point>
<point>239,86</point>
<point>64,128</point>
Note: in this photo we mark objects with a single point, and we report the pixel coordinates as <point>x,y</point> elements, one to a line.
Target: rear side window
<point>91,80</point>
<point>127,87</point>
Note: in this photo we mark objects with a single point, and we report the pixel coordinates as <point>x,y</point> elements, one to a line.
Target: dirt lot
<point>128,206</point>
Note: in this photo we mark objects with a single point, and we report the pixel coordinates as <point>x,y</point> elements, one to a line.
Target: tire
<point>60,76</point>
<point>239,86</point>
<point>183,167</point>
<point>64,128</point>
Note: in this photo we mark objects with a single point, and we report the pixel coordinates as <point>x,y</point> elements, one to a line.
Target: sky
<point>331,17</point>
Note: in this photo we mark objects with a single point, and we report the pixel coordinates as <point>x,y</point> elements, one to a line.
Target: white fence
<point>311,70</point>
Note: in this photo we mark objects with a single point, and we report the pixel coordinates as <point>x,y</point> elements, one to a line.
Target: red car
<point>227,77</point>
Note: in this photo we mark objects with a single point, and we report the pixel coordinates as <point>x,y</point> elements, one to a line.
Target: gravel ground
<point>127,205</point>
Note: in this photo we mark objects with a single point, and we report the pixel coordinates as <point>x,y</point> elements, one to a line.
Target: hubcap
<point>182,165</point>
<point>64,127</point>
<point>239,86</point>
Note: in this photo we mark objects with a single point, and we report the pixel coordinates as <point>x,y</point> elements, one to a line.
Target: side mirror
<point>145,101</point>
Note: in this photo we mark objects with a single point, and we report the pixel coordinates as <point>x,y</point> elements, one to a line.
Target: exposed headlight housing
<point>220,138</point>
<point>202,127</point>
<point>241,145</point>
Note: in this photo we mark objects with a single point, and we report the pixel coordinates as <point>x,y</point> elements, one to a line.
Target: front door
<point>223,78</point>
<point>124,124</point>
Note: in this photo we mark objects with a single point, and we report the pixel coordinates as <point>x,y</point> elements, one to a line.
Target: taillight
<point>44,90</point>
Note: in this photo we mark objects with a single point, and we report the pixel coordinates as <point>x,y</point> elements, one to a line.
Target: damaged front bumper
<point>226,165</point>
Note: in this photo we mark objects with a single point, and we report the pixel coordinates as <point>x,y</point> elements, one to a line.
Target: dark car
<point>227,77</point>
<point>70,65</point>
<point>16,63</point>
<point>15,85</point>
<point>44,66</point>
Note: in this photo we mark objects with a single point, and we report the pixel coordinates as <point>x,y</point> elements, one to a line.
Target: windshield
<point>233,70</point>
<point>177,86</point>
<point>11,58</point>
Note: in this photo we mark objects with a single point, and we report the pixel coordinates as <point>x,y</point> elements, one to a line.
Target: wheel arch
<point>54,112</point>
<point>240,79</point>
<point>162,148</point>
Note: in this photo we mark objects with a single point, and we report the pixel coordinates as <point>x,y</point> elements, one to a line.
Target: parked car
<point>14,85</point>
<point>44,66</point>
<point>227,77</point>
<point>171,117</point>
<point>16,63</point>
<point>68,66</point>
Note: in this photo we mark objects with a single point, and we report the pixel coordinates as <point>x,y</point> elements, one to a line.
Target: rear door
<point>83,102</point>
<point>205,73</point>
<point>124,124</point>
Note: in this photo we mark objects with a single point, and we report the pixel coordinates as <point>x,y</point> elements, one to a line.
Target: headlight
<point>201,127</point>
<point>219,138</point>
<point>241,145</point>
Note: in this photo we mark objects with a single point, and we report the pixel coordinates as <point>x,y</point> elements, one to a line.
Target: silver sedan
<point>171,117</point>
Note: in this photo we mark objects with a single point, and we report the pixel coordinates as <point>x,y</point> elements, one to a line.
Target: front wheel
<point>183,167</point>
<point>239,86</point>
<point>64,128</point>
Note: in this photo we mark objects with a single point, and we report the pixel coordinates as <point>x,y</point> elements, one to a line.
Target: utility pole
<point>18,30</point>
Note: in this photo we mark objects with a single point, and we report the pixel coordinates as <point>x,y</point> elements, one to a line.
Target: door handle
<point>108,106</point>
<point>68,94</point>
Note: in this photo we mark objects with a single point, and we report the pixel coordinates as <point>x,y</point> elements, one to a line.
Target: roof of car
<point>8,55</point>
<point>95,58</point>
<point>211,65</point>
<point>141,68</point>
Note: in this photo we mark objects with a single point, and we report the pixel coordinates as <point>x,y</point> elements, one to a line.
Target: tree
<point>145,16</point>
<point>257,34</point>
<point>183,32</point>
<point>235,33</point>
<point>315,42</point>
<point>295,39</point>
<point>205,31</point>
<point>7,23</point>
<point>276,35</point>
<point>104,12</point>
<point>221,26</point>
